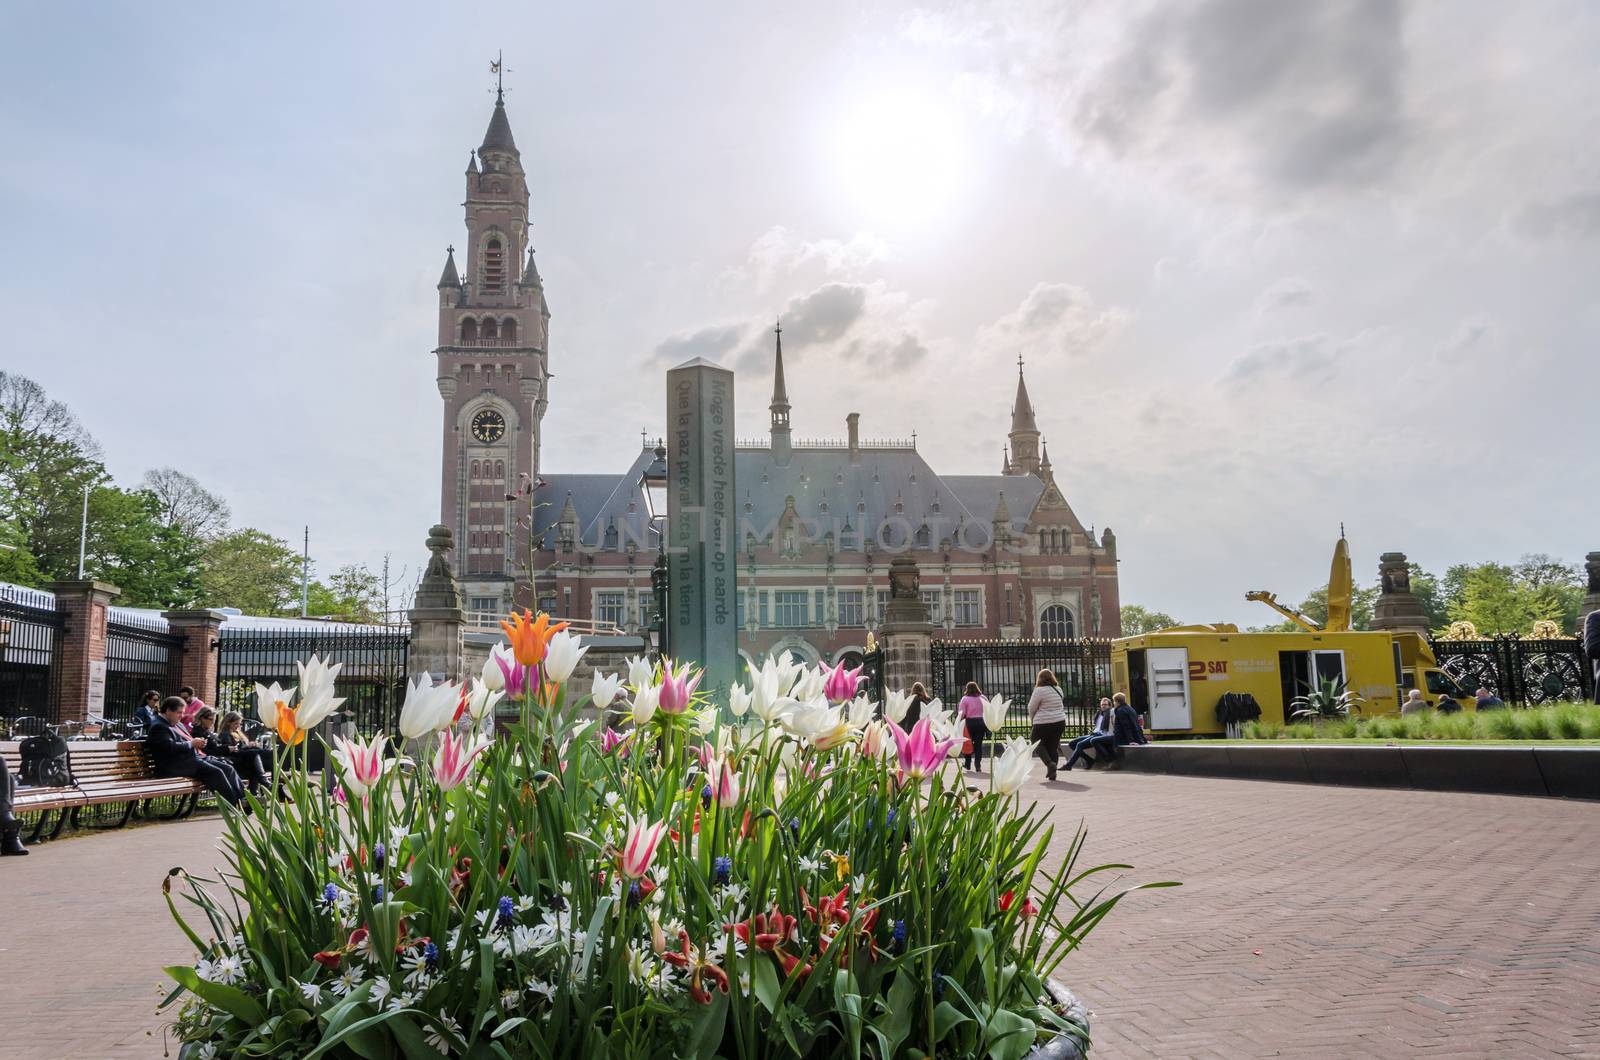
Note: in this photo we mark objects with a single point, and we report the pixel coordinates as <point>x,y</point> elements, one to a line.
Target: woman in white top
<point>1048,712</point>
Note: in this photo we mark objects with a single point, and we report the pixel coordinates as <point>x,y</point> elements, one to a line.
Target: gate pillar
<point>1397,609</point>
<point>198,667</point>
<point>83,606</point>
<point>436,615</point>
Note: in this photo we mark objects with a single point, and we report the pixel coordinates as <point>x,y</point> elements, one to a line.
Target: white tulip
<point>995,709</point>
<point>1011,769</point>
<point>428,707</point>
<point>641,672</point>
<point>562,656</point>
<point>819,723</point>
<point>896,705</point>
<point>317,700</point>
<point>494,678</point>
<point>766,701</point>
<point>267,699</point>
<point>481,699</point>
<point>738,700</point>
<point>861,711</point>
<point>645,701</point>
<point>809,686</point>
<point>604,689</point>
<point>705,722</point>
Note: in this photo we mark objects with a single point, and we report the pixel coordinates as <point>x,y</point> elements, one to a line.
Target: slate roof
<point>889,487</point>
<point>498,136</point>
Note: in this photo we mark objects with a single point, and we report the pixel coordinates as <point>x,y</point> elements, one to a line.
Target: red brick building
<point>1001,556</point>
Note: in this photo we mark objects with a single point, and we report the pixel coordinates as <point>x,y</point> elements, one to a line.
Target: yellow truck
<point>1175,677</point>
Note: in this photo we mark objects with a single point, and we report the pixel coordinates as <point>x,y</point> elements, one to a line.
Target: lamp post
<point>653,484</point>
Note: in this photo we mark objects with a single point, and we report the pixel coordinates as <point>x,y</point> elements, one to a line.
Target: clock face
<point>488,426</point>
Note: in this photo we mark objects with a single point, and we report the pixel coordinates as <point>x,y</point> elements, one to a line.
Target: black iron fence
<point>141,656</point>
<point>30,639</point>
<point>872,675</point>
<point>1011,668</point>
<point>1531,672</point>
<point>372,682</point>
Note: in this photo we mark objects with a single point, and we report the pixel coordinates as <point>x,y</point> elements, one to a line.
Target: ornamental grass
<point>790,876</point>
<point>1560,721</point>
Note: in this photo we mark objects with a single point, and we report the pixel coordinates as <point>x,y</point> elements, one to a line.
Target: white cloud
<point>1287,293</point>
<point>1054,322</point>
<point>779,252</point>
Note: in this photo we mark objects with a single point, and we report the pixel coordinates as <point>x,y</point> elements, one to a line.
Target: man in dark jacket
<point>176,754</point>
<point>1591,647</point>
<point>1125,722</point>
<point>10,827</point>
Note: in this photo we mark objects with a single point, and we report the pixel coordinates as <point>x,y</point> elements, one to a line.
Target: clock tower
<point>493,369</point>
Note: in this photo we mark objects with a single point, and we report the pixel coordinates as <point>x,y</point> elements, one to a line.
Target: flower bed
<point>792,876</point>
<point>1562,721</point>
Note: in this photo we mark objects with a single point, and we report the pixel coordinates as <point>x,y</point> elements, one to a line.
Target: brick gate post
<point>198,668</point>
<point>907,630</point>
<point>83,606</point>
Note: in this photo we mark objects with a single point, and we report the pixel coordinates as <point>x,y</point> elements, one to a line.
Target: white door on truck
<point>1168,674</point>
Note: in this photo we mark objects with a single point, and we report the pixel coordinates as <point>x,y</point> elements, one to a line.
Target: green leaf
<point>900,1009</point>
<point>1012,1035</point>
<point>945,1018</point>
<point>230,999</point>
<point>705,1038</point>
<point>765,982</point>
<point>507,1026</point>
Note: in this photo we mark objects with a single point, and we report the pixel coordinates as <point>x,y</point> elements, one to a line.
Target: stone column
<point>198,669</point>
<point>81,651</point>
<point>907,628</point>
<point>1397,609</point>
<point>1591,600</point>
<point>436,616</point>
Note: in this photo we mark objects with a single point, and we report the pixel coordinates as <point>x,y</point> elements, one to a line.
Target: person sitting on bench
<point>1083,746</point>
<point>250,760</point>
<point>176,754</point>
<point>10,827</point>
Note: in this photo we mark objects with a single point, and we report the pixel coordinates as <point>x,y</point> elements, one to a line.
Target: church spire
<point>780,401</point>
<point>1024,434</point>
<point>449,278</point>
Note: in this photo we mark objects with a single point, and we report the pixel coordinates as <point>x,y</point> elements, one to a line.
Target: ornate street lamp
<point>653,484</point>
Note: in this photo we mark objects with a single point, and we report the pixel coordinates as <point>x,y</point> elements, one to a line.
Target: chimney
<point>853,423</point>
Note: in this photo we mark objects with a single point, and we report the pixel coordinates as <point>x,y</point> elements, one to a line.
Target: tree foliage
<point>185,505</point>
<point>1137,620</point>
<point>251,570</point>
<point>352,594</point>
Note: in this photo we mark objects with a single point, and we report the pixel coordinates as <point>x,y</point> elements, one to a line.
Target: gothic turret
<point>1024,430</point>
<point>780,404</point>
<point>449,278</point>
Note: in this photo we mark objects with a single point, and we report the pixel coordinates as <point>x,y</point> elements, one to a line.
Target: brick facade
<point>83,606</point>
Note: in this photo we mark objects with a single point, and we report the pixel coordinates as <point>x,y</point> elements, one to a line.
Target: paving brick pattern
<point>1389,924</point>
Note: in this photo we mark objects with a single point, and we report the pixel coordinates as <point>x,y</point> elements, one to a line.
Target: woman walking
<point>1048,712</point>
<point>970,711</point>
<point>919,699</point>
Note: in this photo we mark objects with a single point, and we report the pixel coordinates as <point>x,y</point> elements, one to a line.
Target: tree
<point>185,505</point>
<point>1315,607</point>
<point>352,594</point>
<point>1430,594</point>
<point>1555,588</point>
<point>16,562</point>
<point>127,545</point>
<point>27,412</point>
<point>251,570</point>
<point>1137,620</point>
<point>1497,598</point>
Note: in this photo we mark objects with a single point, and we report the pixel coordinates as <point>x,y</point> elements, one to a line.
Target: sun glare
<point>902,159</point>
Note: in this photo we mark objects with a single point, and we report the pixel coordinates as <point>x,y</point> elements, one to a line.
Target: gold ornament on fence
<point>1462,631</point>
<point>1548,629</point>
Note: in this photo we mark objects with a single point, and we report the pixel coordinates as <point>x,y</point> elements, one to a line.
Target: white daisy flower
<point>540,989</point>
<point>380,990</point>
<point>311,992</point>
<point>347,981</point>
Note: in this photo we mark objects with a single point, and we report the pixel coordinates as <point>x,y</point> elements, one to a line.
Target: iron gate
<point>372,682</point>
<point>1527,672</point>
<point>1010,668</point>
<point>141,656</point>
<point>30,636</point>
<point>872,675</point>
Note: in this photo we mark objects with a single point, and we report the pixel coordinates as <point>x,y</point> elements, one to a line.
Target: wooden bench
<point>105,772</point>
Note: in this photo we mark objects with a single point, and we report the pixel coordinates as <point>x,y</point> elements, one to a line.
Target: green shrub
<point>1560,721</point>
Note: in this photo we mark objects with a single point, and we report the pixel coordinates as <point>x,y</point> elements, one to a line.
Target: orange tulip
<point>530,637</point>
<point>288,732</point>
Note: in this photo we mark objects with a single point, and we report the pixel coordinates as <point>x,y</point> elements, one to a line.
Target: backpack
<point>46,762</point>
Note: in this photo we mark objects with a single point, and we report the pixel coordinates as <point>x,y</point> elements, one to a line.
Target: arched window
<point>508,328</point>
<point>494,265</point>
<point>474,469</point>
<point>491,328</point>
<point>1044,541</point>
<point>500,469</point>
<point>469,330</point>
<point>1055,623</point>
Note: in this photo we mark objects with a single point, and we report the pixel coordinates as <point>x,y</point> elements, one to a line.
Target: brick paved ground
<point>1389,924</point>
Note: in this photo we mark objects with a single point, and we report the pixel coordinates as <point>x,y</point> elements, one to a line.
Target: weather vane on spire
<point>1019,364</point>
<point>497,68</point>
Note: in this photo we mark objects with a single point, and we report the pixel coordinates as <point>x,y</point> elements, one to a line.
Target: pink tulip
<point>516,675</point>
<point>640,847</point>
<point>453,760</point>
<point>611,739</point>
<point>840,684</point>
<point>677,689</point>
<point>725,789</point>
<point>918,753</point>
<point>362,762</point>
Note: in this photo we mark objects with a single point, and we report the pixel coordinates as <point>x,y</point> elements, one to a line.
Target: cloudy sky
<point>1273,266</point>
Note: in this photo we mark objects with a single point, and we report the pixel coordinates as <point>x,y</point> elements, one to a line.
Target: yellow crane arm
<point>1261,596</point>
